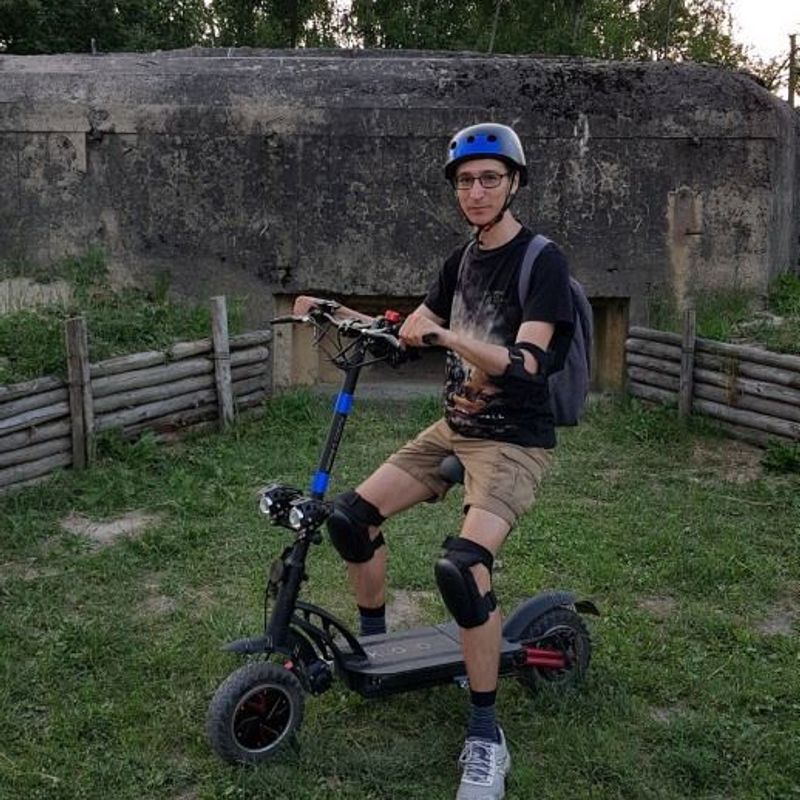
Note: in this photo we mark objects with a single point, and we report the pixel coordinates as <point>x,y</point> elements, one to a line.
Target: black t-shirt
<point>483,302</point>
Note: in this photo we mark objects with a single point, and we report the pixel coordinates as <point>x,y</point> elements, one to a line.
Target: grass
<point>110,656</point>
<point>120,321</point>
<point>735,314</point>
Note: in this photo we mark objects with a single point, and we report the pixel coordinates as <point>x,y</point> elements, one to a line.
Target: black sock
<point>373,620</point>
<point>482,718</point>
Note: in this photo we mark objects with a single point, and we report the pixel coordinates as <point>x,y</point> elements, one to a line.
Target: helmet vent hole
<point>452,145</point>
<point>470,139</point>
<point>491,137</point>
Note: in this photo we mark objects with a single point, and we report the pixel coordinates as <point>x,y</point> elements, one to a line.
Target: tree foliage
<point>697,30</point>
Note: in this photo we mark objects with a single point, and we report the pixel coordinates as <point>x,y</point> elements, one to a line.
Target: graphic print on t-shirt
<point>479,311</point>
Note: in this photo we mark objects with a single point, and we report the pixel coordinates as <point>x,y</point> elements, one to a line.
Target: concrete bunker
<point>266,174</point>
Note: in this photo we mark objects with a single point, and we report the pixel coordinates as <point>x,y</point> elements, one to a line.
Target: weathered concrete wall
<point>273,172</point>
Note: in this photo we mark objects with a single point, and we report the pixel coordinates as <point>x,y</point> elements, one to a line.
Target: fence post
<point>80,392</point>
<point>222,359</point>
<point>687,364</point>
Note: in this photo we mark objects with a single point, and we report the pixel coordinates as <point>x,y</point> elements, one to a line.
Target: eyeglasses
<point>489,180</point>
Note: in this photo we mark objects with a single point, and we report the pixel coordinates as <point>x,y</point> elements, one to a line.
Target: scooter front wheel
<point>254,713</point>
<point>558,650</point>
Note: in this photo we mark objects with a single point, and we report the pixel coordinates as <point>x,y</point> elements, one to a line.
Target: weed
<point>119,322</point>
<point>783,457</point>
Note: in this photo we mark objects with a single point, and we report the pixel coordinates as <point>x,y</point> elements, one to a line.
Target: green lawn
<point>110,655</point>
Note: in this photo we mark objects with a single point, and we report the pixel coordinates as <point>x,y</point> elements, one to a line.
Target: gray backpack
<point>569,386</point>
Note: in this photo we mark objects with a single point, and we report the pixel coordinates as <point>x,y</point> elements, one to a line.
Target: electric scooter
<point>257,711</point>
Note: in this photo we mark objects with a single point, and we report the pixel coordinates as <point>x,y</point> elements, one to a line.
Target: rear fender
<point>525,613</point>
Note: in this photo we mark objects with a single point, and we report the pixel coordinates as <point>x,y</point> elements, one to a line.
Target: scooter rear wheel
<point>254,713</point>
<point>563,632</point>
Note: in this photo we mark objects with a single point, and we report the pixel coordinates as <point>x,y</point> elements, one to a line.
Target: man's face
<point>481,188</point>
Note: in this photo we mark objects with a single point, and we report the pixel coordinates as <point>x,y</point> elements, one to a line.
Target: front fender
<point>533,608</point>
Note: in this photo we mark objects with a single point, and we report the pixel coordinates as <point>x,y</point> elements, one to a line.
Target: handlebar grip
<point>430,338</point>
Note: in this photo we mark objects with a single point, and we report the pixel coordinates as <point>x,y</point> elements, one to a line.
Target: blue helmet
<point>487,140</point>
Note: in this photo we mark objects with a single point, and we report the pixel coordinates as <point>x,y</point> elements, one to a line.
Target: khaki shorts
<point>500,477</point>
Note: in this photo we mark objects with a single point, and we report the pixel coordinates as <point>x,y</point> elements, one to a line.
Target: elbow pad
<point>516,368</point>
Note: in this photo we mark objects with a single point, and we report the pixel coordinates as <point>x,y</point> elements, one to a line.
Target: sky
<point>765,25</point>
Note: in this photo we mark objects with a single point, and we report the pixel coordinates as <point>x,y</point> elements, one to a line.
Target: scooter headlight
<point>274,501</point>
<point>296,518</point>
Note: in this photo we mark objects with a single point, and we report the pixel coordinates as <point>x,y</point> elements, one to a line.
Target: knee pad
<point>457,585</point>
<point>349,525</point>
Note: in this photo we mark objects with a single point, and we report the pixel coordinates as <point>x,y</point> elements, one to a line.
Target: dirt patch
<point>156,604</point>
<point>103,534</point>
<point>666,714</point>
<point>733,461</point>
<point>25,572</point>
<point>405,609</point>
<point>783,618</point>
<point>662,607</point>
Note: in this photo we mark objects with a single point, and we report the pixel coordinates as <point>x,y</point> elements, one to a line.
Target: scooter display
<point>258,709</point>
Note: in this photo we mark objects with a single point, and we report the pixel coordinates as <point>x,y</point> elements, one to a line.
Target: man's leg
<point>485,759</point>
<point>391,490</point>
<point>482,643</point>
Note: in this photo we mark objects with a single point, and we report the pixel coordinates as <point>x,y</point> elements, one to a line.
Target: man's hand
<point>304,303</point>
<point>417,326</point>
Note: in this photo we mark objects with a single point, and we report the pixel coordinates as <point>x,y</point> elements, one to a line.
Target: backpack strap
<point>535,246</point>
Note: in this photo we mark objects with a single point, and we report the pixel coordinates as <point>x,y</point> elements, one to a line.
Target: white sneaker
<point>485,766</point>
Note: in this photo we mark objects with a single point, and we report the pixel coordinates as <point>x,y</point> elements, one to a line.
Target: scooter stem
<point>344,403</point>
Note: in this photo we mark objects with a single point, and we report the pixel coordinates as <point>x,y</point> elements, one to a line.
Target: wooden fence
<point>49,423</point>
<point>752,394</point>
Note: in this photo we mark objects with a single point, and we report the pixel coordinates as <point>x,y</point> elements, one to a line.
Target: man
<point>497,421</point>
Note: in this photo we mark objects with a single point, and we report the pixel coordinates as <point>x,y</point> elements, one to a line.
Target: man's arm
<point>304,303</point>
<point>491,358</point>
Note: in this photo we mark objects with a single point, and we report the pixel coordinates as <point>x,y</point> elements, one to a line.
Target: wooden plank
<point>32,418</point>
<point>134,416</point>
<point>668,352</point>
<point>687,363</point>
<point>77,364</point>
<point>251,339</point>
<point>753,355</point>
<point>20,485</point>
<point>742,352</point>
<point>35,435</point>
<point>36,451</point>
<point>759,372</point>
<point>222,359</point>
<point>249,370</point>
<point>34,469</point>
<point>251,399</point>
<point>652,393</point>
<point>182,350</point>
<point>751,435</point>
<point>174,422</point>
<point>249,385</point>
<point>151,394</point>
<point>735,386</point>
<point>653,363</point>
<point>251,355</point>
<point>14,407</point>
<point>654,378</point>
<point>716,394</point>
<point>748,419</point>
<point>114,366</point>
<point>26,388</point>
<point>168,373</point>
<point>652,335</point>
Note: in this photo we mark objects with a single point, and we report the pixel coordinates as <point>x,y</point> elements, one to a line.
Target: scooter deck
<point>410,659</point>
